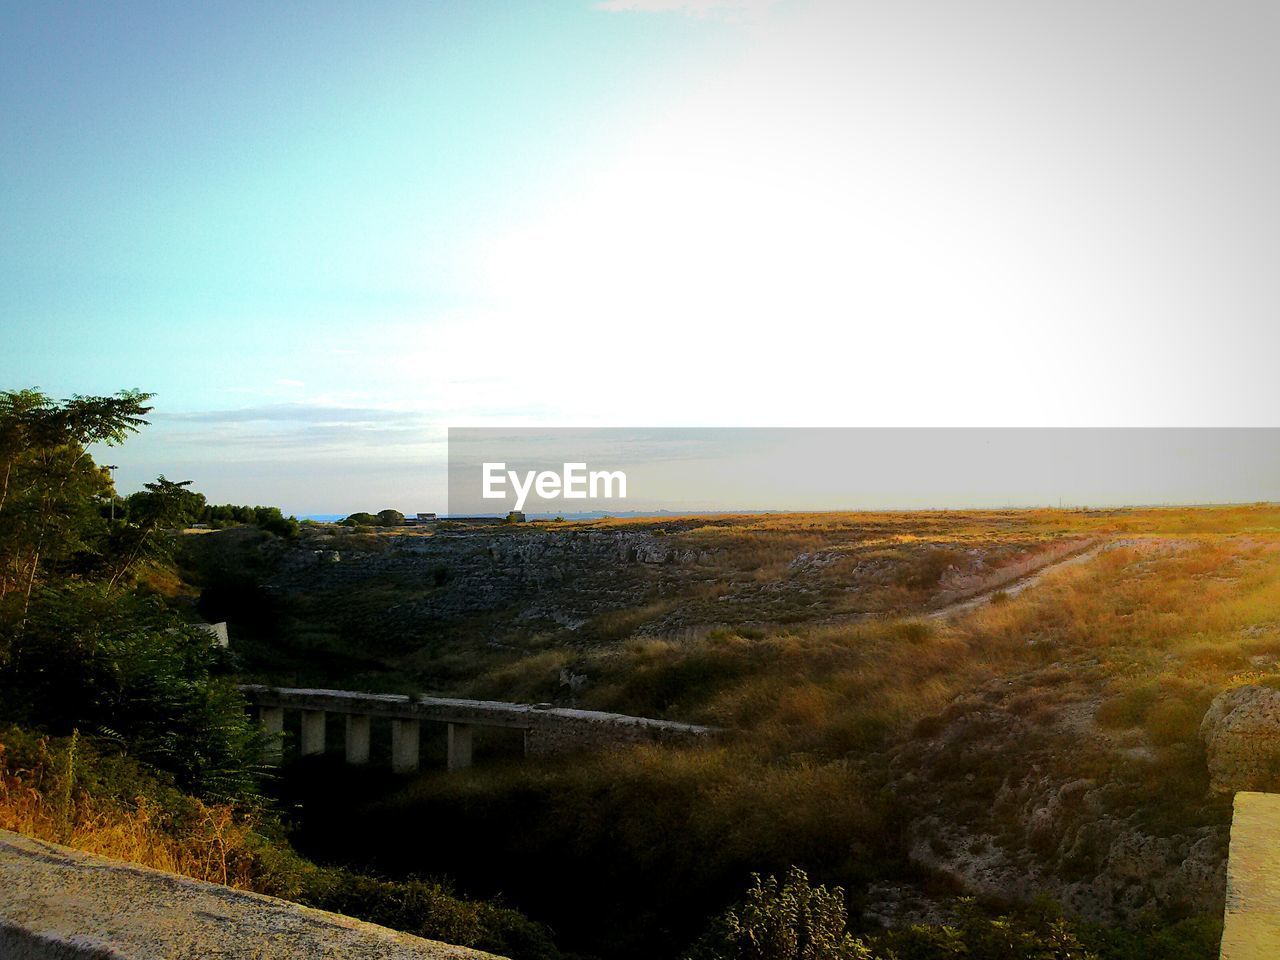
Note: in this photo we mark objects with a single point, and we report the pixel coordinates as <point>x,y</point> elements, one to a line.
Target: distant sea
<point>592,515</point>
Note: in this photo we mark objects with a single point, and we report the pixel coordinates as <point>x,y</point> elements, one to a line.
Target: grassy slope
<point>636,848</point>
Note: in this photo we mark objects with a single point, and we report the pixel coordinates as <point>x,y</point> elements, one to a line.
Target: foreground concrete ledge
<point>1251,924</point>
<point>61,904</point>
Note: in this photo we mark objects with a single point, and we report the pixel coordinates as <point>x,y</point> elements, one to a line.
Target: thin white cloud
<point>723,9</point>
<point>297,413</point>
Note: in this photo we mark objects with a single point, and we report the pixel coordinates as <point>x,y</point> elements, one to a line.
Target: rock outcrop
<point>1241,734</point>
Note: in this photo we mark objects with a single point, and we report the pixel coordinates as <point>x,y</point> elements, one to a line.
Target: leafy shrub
<point>784,920</point>
<point>1042,934</point>
<point>428,909</point>
<point>125,668</point>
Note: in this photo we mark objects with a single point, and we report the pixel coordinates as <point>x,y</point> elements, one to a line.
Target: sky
<point>493,470</point>
<point>324,233</point>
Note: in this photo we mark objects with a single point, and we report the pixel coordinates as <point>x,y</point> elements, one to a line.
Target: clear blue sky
<point>322,232</point>
<point>197,194</point>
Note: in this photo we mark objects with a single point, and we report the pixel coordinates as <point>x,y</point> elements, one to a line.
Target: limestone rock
<point>1241,734</point>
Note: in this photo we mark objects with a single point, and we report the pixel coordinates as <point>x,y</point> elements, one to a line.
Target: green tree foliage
<point>78,649</point>
<point>273,521</point>
<point>125,668</point>
<point>153,512</point>
<point>49,485</point>
<point>270,519</point>
<point>383,518</point>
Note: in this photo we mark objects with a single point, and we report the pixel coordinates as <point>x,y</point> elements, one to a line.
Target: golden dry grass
<point>41,799</point>
<point>1171,619</point>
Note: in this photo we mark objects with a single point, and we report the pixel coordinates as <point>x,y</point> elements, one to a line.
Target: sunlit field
<point>969,723</point>
<point>874,751</point>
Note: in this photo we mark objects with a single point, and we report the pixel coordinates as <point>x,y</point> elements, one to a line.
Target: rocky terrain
<point>1033,713</point>
<point>996,803</point>
<point>403,596</point>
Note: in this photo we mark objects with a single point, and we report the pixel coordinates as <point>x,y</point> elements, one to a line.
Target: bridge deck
<point>491,713</point>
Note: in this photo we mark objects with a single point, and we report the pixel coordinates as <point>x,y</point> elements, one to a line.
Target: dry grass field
<point>921,708</point>
<point>1038,740</point>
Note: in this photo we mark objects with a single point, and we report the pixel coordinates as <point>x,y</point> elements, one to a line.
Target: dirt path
<point>1015,587</point>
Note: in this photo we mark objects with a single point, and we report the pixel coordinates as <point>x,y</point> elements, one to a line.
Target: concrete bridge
<point>547,730</point>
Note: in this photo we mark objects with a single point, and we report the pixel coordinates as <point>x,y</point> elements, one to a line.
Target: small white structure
<point>216,630</point>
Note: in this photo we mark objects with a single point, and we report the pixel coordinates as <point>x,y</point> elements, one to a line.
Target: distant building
<point>426,516</point>
<point>218,631</point>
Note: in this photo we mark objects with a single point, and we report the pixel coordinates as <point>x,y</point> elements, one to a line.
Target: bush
<point>1042,934</point>
<point>125,668</point>
<point>787,920</point>
<point>428,909</point>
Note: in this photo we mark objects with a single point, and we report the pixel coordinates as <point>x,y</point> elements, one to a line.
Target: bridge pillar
<point>459,746</point>
<point>312,732</point>
<point>272,720</point>
<point>358,738</point>
<point>404,745</point>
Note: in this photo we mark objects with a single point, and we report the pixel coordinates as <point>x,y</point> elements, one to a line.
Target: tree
<point>274,521</point>
<point>77,652</point>
<point>360,520</point>
<point>49,486</point>
<point>390,518</point>
<point>154,510</point>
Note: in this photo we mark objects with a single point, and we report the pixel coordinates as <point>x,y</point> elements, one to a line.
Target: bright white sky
<point>323,240</point>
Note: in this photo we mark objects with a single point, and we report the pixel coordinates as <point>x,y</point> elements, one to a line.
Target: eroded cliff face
<point>993,800</point>
<point>563,577</point>
<point>581,586</point>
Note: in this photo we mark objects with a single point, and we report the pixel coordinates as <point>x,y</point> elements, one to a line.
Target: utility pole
<point>112,468</point>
